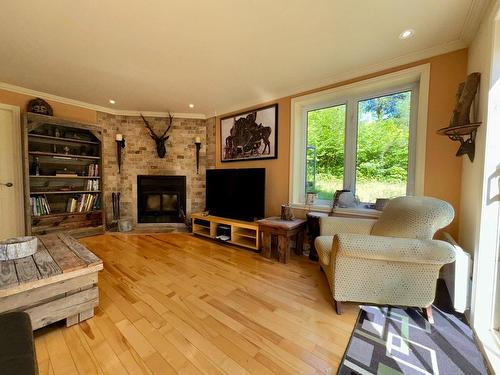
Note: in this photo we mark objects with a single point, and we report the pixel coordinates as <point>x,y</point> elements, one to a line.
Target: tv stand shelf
<point>243,233</point>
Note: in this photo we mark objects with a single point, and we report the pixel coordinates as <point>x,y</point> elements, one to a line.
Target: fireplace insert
<point>161,199</point>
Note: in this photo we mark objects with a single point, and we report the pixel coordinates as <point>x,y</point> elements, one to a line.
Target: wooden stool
<point>283,230</point>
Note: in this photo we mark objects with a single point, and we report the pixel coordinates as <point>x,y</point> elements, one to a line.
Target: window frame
<point>414,79</point>
<point>351,123</point>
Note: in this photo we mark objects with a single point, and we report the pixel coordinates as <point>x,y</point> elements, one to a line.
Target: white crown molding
<point>475,15</point>
<point>352,74</point>
<point>94,107</point>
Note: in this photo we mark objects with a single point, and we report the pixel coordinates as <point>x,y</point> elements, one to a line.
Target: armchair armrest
<point>406,250</point>
<point>331,225</point>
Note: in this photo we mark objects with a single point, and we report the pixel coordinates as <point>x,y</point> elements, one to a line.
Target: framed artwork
<point>250,135</point>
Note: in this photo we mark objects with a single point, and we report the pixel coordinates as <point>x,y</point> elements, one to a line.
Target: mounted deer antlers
<point>159,140</point>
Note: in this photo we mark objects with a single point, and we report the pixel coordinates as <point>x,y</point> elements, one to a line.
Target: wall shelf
<point>466,135</point>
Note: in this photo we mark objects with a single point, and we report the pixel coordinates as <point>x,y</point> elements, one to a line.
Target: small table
<point>57,282</point>
<point>284,230</point>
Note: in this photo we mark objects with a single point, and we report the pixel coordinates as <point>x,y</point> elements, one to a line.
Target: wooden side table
<point>284,230</point>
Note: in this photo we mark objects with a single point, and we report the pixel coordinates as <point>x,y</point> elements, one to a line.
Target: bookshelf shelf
<point>63,214</point>
<point>45,138</point>
<point>68,177</point>
<point>60,157</point>
<point>65,192</point>
<point>63,156</point>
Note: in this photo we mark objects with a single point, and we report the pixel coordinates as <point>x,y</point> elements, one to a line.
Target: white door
<point>11,182</point>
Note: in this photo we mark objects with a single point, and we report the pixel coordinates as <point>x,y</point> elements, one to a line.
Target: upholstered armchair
<point>390,261</point>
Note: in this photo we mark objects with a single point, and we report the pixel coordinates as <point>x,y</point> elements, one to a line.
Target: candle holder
<point>120,143</point>
<point>197,143</point>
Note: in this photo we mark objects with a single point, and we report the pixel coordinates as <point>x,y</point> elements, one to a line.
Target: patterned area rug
<point>391,341</point>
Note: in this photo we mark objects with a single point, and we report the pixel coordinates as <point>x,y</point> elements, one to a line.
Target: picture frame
<point>250,135</point>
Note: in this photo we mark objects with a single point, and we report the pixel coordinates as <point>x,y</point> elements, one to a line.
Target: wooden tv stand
<point>243,233</point>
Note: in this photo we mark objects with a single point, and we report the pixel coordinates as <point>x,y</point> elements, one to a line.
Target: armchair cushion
<point>393,249</point>
<point>413,217</point>
<point>323,245</point>
<point>331,225</point>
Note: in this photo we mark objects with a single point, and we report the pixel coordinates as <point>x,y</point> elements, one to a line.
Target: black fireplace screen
<point>165,202</point>
<point>161,199</point>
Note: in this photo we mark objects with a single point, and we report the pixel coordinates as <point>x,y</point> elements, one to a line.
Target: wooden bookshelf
<point>243,233</point>
<point>53,146</point>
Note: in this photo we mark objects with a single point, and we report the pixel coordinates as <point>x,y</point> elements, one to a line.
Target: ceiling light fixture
<point>191,106</point>
<point>112,101</point>
<point>406,34</point>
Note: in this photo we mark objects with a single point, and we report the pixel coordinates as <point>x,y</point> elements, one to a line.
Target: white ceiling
<point>221,55</point>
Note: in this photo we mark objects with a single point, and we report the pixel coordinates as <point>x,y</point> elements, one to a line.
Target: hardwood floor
<point>174,303</point>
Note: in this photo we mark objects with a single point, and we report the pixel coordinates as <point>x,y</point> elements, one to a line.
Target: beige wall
<point>479,60</point>
<point>443,168</point>
<point>62,110</point>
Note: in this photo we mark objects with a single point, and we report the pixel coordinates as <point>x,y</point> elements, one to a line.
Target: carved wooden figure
<point>465,96</point>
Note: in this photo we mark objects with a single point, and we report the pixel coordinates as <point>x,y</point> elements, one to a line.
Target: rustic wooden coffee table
<point>284,230</point>
<point>58,282</point>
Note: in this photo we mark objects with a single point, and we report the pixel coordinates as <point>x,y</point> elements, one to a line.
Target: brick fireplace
<point>139,158</point>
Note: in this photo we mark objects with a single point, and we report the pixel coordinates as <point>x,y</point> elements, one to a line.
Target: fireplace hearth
<point>161,199</point>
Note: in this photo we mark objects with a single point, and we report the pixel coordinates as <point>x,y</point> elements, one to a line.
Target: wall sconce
<point>120,143</point>
<point>197,143</point>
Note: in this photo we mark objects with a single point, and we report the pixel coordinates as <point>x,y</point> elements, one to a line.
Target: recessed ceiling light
<point>112,101</point>
<point>191,106</point>
<point>407,34</point>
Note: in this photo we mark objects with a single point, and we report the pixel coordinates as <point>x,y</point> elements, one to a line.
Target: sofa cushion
<point>323,245</point>
<point>17,350</point>
<point>413,217</point>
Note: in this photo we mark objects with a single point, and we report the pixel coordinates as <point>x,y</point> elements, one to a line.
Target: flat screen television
<point>236,193</point>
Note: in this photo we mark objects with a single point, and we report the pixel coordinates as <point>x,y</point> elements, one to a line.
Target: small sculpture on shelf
<point>36,168</point>
<point>40,106</point>
<point>286,212</point>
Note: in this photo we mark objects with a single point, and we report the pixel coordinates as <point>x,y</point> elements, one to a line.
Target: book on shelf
<point>39,205</point>
<point>93,170</point>
<point>92,185</point>
<point>83,203</point>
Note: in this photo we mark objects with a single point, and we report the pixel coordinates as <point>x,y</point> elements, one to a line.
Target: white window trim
<point>392,82</point>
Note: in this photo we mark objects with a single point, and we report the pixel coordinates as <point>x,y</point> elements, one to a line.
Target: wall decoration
<point>120,144</point>
<point>197,143</point>
<point>250,135</point>
<point>160,140</point>
<point>462,128</point>
<point>40,106</point>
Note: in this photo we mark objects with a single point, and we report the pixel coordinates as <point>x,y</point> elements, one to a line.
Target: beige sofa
<point>389,261</point>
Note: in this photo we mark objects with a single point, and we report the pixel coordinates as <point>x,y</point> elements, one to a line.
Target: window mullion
<point>350,145</point>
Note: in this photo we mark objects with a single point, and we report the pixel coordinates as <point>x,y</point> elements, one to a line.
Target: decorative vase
<point>286,213</point>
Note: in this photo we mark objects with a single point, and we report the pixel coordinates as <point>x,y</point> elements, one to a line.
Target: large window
<point>363,144</point>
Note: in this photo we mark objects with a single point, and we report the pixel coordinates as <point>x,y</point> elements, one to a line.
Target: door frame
<point>18,155</point>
